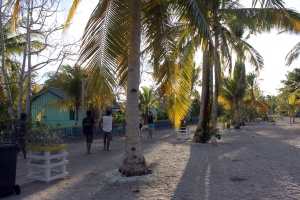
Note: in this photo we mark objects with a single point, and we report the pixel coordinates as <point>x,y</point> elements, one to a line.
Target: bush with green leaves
<point>5,121</point>
<point>226,117</point>
<point>119,118</point>
<point>40,136</point>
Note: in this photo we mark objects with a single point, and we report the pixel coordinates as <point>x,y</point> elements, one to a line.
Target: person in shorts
<point>108,122</point>
<point>21,134</point>
<point>88,124</point>
<point>150,119</point>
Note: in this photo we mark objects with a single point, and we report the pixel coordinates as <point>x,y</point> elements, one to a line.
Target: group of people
<point>88,124</point>
<point>88,129</point>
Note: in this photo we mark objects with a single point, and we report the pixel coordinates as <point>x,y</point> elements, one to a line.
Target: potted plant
<point>47,154</point>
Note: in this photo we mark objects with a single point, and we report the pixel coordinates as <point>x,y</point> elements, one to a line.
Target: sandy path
<point>260,163</point>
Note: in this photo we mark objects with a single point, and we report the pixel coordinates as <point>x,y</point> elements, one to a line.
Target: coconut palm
<point>252,83</point>
<point>253,93</point>
<point>292,82</point>
<point>292,105</point>
<point>221,15</point>
<point>233,90</point>
<point>146,98</point>
<point>113,37</point>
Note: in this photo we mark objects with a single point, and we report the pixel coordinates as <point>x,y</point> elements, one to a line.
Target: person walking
<point>88,124</point>
<point>141,125</point>
<point>108,122</point>
<point>21,134</point>
<point>150,119</point>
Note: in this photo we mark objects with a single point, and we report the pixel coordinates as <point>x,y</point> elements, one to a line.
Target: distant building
<point>52,116</point>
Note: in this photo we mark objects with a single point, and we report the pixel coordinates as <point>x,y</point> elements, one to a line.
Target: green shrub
<point>119,118</point>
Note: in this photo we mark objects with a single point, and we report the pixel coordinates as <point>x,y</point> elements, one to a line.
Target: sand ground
<point>259,161</point>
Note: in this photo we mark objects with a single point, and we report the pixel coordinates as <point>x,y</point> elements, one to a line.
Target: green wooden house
<point>52,116</point>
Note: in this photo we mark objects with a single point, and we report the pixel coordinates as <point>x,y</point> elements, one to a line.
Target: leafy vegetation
<point>40,136</point>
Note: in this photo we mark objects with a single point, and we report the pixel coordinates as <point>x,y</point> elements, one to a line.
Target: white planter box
<point>183,132</point>
<point>47,163</point>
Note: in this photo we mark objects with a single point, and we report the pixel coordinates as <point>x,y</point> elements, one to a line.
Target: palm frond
<point>104,49</point>
<point>71,14</point>
<point>258,20</point>
<point>158,31</point>
<point>269,3</point>
<point>15,16</point>
<point>293,54</point>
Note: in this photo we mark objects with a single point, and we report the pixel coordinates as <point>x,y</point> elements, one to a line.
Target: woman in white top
<point>108,122</point>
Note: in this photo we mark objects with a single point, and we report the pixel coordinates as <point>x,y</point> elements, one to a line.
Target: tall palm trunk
<point>205,108</point>
<point>242,122</point>
<point>237,114</point>
<point>134,163</point>
<point>240,91</point>
<point>77,114</point>
<point>217,79</point>
<point>3,68</point>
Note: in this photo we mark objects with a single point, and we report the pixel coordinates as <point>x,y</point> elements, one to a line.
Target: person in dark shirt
<point>150,118</point>
<point>88,124</point>
<point>21,134</point>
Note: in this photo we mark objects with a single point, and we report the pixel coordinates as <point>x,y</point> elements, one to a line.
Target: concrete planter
<point>183,132</point>
<point>47,163</point>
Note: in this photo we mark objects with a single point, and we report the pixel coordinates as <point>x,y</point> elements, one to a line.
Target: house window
<point>72,115</point>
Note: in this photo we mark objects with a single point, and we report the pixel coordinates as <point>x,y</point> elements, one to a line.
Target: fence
<point>66,132</point>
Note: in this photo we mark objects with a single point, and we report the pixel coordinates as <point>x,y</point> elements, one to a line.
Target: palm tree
<point>146,98</point>
<point>68,80</point>
<point>253,93</point>
<point>290,88</point>
<point>113,37</point>
<point>252,85</point>
<point>293,103</point>
<point>293,81</point>
<point>233,90</point>
<point>219,15</point>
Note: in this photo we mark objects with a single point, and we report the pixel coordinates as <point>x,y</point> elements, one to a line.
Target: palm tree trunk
<point>3,68</point>
<point>237,114</point>
<point>76,115</point>
<point>242,122</point>
<point>202,127</point>
<point>217,78</point>
<point>134,163</point>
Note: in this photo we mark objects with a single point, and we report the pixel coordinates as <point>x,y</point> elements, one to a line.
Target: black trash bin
<point>8,166</point>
